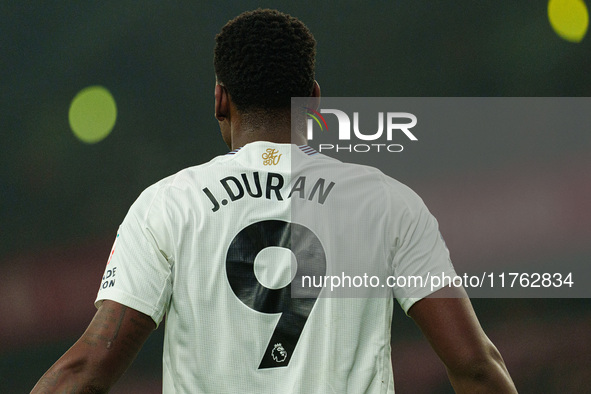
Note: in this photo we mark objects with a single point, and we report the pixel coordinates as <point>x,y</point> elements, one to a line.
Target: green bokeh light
<point>92,114</point>
<point>569,19</point>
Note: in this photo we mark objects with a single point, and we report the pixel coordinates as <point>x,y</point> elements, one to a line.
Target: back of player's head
<point>263,58</point>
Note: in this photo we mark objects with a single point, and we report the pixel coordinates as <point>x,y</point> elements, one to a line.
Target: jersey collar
<point>304,148</point>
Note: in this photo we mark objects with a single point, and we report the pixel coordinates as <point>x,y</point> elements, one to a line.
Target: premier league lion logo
<point>278,353</point>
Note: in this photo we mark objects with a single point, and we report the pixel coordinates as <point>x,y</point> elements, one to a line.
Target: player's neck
<point>277,132</point>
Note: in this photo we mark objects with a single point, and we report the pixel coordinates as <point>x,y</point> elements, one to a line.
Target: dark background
<point>522,201</point>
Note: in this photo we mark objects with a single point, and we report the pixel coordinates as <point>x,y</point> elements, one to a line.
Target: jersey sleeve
<point>419,252</point>
<point>139,269</point>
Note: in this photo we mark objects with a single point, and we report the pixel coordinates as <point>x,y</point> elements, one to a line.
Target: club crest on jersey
<point>279,353</point>
<point>270,157</point>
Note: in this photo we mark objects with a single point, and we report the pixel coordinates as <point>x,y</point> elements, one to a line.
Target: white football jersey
<point>242,255</point>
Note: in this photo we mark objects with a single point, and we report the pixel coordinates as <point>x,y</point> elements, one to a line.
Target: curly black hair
<point>263,58</point>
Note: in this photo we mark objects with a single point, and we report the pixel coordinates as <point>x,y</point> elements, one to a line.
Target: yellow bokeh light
<point>569,19</point>
<point>92,114</point>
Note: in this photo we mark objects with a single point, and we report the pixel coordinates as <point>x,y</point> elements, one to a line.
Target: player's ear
<point>316,90</point>
<point>315,96</point>
<point>222,103</point>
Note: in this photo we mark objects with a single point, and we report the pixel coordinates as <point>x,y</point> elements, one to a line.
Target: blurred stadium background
<point>62,200</point>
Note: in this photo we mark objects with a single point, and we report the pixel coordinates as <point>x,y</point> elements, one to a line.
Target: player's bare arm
<point>473,363</point>
<point>103,353</point>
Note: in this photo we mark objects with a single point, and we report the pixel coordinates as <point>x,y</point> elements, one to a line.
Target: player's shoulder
<point>368,172</point>
<point>366,177</point>
<point>178,182</point>
<point>329,163</point>
<point>188,175</point>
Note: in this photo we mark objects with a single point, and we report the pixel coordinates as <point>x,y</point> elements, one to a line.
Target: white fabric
<point>170,259</point>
